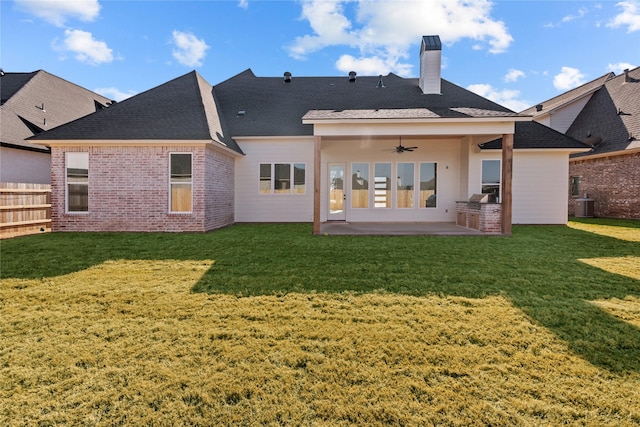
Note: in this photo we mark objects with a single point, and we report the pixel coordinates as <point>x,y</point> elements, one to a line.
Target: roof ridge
<point>69,82</point>
<point>606,77</point>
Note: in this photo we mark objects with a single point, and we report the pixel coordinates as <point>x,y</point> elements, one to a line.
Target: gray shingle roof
<point>187,108</point>
<point>39,100</point>
<point>613,114</point>
<point>274,108</point>
<point>405,113</point>
<point>180,109</point>
<point>530,135</point>
<point>10,83</point>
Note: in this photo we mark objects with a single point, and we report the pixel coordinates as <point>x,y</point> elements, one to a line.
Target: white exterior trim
<point>439,128</point>
<point>138,143</point>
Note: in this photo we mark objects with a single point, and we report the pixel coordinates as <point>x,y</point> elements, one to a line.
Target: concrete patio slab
<point>397,229</point>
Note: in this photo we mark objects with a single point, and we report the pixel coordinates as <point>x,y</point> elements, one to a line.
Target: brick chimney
<point>430,58</point>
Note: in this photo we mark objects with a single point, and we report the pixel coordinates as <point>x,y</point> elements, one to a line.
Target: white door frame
<point>336,196</point>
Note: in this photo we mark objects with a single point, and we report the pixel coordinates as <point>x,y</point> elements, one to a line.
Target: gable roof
<point>532,134</point>
<point>37,101</point>
<point>10,83</point>
<point>568,97</point>
<point>180,109</point>
<point>269,106</point>
<point>612,114</point>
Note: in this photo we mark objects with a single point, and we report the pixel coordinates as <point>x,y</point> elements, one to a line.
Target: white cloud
<point>384,31</point>
<point>513,75</point>
<point>86,48</point>
<point>57,12</point>
<point>190,50</point>
<point>328,23</point>
<point>114,93</point>
<point>505,97</point>
<point>372,65</point>
<point>568,78</point>
<point>629,17</point>
<point>620,67</point>
<point>581,12</point>
<point>243,4</point>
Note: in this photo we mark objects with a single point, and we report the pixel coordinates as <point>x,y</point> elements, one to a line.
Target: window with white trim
<point>382,185</point>
<point>282,178</point>
<point>491,179</point>
<point>360,185</point>
<point>428,185</point>
<point>181,184</point>
<point>405,191</point>
<point>77,185</point>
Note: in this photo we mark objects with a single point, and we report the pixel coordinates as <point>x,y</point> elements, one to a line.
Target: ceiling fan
<point>401,148</point>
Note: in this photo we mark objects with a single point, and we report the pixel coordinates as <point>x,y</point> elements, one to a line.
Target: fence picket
<point>24,209</point>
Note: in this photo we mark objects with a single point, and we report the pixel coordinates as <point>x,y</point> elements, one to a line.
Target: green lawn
<point>577,288</point>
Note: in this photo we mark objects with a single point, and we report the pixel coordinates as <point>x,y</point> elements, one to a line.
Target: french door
<point>337,195</point>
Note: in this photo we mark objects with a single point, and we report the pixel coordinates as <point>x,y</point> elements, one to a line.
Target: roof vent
<point>380,82</point>
<point>627,79</point>
<point>287,77</point>
<point>539,107</point>
<point>241,113</point>
<point>352,76</point>
<point>592,141</point>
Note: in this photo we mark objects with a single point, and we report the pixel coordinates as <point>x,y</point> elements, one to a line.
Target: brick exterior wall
<point>486,218</point>
<point>612,181</point>
<point>220,194</point>
<point>129,190</point>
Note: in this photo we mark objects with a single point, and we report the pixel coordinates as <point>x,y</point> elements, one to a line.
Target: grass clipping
<point>126,342</point>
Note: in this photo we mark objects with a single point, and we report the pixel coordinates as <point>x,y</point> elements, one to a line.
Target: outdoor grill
<point>475,200</point>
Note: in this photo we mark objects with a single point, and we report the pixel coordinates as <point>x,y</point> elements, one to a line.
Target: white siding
<point>445,152</point>
<point>562,119</point>
<point>540,179</point>
<point>540,187</point>
<point>250,205</point>
<point>540,184</point>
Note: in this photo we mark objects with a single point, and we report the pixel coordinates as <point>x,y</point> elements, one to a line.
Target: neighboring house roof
<point>568,97</point>
<point>181,109</point>
<point>37,101</point>
<point>269,106</point>
<point>530,135</point>
<point>12,83</point>
<point>612,115</point>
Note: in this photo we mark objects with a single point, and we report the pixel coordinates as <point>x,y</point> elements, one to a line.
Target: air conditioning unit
<point>584,208</point>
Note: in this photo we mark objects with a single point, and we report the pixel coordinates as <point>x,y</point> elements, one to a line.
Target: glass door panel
<point>337,195</point>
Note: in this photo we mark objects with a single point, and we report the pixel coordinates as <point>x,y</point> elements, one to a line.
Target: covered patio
<point>338,228</point>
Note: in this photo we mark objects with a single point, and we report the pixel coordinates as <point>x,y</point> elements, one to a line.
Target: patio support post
<point>317,143</point>
<point>507,171</point>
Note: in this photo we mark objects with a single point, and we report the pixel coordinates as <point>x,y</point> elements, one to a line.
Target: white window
<point>491,179</point>
<point>360,185</point>
<point>428,185</point>
<point>181,184</point>
<point>405,192</point>
<point>282,178</point>
<point>77,185</point>
<point>382,185</point>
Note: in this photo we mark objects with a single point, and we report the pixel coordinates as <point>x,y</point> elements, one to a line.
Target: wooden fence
<point>24,209</point>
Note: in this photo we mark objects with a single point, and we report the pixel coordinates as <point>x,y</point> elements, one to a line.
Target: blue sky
<point>514,52</point>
